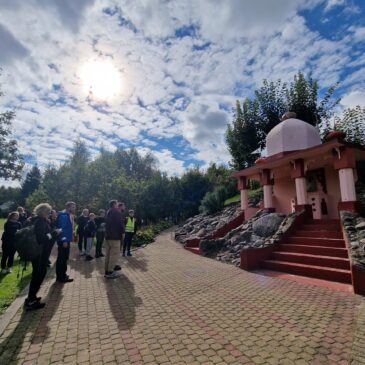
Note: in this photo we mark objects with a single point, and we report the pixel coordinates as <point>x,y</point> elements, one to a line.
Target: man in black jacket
<point>81,223</point>
<point>114,229</point>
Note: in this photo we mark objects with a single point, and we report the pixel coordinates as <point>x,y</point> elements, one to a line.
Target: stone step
<point>314,250</point>
<point>315,241</point>
<point>320,272</point>
<point>322,234</point>
<point>308,259</point>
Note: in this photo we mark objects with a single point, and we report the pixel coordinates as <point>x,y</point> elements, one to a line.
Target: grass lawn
<point>234,199</point>
<point>237,198</point>
<point>11,286</point>
<point>2,222</point>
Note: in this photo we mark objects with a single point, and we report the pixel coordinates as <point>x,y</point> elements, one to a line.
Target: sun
<point>100,80</point>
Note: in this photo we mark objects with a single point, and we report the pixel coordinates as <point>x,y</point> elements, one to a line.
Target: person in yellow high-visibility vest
<point>130,230</point>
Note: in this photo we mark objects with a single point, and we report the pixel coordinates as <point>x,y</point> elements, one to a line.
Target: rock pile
<point>355,229</point>
<point>262,230</point>
<point>201,226</point>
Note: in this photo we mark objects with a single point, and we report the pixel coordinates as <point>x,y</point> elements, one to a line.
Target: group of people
<point>109,228</point>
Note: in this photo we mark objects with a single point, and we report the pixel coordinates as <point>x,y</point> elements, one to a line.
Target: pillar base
<point>353,206</point>
<point>307,208</point>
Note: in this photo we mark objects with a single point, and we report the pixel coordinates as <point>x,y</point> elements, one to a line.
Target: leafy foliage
<point>31,183</point>
<point>11,162</point>
<point>353,124</point>
<point>254,119</point>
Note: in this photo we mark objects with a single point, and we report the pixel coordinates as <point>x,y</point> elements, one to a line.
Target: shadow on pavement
<point>123,301</point>
<point>32,325</point>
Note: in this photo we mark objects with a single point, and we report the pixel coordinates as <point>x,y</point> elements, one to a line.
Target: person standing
<point>114,229</point>
<point>64,222</point>
<point>130,230</point>
<point>44,237</point>
<point>90,232</point>
<point>22,216</point>
<point>100,233</point>
<point>81,223</point>
<point>8,247</point>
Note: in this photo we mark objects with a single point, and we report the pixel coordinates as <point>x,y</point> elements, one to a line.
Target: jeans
<point>7,259</point>
<point>61,263</point>
<point>127,242</point>
<point>89,245</point>
<point>112,253</point>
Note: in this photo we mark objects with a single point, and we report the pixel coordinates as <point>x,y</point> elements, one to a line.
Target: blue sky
<point>180,65</point>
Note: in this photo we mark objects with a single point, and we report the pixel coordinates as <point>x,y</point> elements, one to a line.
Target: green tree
<point>37,197</point>
<point>254,119</point>
<point>243,136</point>
<point>11,162</point>
<point>31,183</point>
<point>353,124</point>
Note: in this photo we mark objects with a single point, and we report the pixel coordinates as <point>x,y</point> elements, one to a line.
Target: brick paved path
<point>173,307</point>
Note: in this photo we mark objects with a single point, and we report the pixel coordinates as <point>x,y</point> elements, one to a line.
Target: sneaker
<point>10,270</point>
<point>123,254</point>
<point>4,271</point>
<point>97,255</point>
<point>89,258</point>
<point>33,305</point>
<point>117,268</point>
<point>129,254</point>
<point>81,253</point>
<point>101,254</point>
<point>112,275</point>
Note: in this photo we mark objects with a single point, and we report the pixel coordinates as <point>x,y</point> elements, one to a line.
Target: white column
<point>301,189</point>
<point>244,199</point>
<point>347,185</point>
<point>268,196</point>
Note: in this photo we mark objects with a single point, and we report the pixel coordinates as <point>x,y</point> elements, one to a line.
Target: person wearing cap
<point>130,230</point>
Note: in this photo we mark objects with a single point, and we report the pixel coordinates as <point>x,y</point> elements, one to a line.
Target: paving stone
<point>172,307</point>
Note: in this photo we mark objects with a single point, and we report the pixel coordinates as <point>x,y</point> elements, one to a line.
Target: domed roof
<point>291,135</point>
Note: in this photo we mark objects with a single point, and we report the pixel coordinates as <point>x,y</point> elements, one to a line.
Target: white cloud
<point>354,98</point>
<point>172,86</point>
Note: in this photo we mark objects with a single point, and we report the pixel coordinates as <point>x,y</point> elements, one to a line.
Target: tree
<point>31,183</point>
<point>243,136</point>
<point>353,124</point>
<point>11,162</point>
<point>37,197</point>
<point>255,118</point>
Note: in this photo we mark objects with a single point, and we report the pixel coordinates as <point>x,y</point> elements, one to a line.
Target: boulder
<point>267,225</point>
<point>360,226</point>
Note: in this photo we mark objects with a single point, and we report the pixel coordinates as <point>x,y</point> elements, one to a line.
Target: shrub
<point>147,234</point>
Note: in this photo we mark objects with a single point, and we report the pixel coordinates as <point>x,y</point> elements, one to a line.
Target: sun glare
<point>100,80</point>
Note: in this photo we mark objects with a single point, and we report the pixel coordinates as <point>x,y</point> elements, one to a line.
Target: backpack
<point>26,244</point>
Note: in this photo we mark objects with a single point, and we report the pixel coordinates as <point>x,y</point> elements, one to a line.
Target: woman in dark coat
<point>45,236</point>
<point>8,238</point>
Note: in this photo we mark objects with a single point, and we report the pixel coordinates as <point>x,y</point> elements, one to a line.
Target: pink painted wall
<point>284,192</point>
<point>333,192</point>
<point>250,212</point>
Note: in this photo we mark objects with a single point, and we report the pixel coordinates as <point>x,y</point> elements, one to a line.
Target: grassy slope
<point>11,285</point>
<point>2,222</point>
<point>237,198</point>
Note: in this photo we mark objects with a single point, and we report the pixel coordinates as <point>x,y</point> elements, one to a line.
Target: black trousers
<point>99,242</point>
<point>7,258</point>
<point>82,240</point>
<point>127,241</point>
<point>61,263</point>
<point>38,274</point>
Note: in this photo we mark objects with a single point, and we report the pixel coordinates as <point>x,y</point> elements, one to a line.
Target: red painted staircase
<point>315,249</point>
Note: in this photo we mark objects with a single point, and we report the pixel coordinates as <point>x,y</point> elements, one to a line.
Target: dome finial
<point>288,115</point>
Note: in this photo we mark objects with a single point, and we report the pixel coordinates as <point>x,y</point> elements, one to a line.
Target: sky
<point>163,76</point>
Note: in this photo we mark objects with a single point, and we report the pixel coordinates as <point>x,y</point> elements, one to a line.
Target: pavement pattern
<point>170,306</point>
